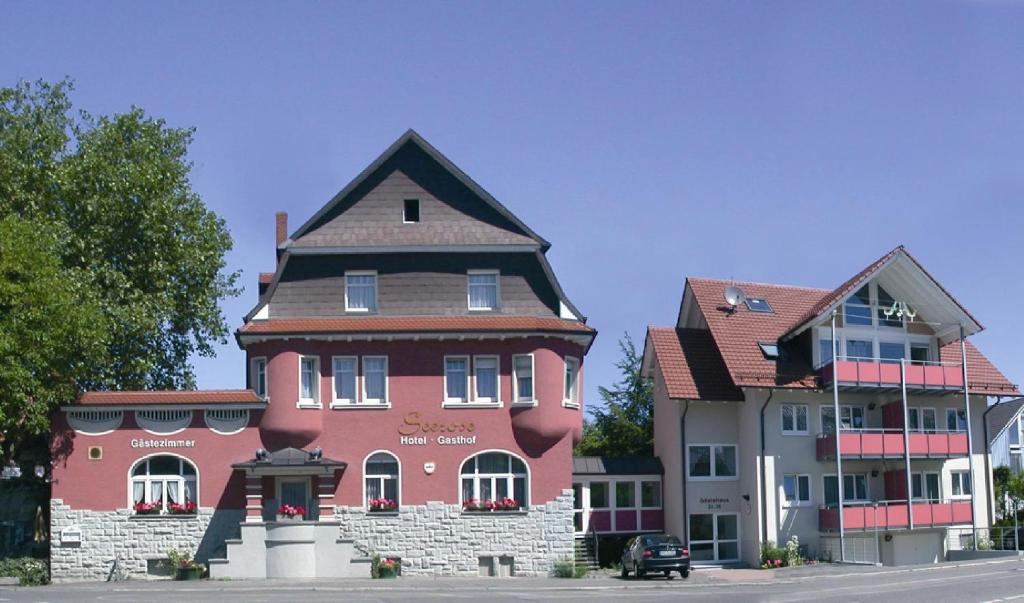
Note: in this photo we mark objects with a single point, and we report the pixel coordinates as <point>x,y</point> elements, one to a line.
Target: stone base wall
<point>440,539</point>
<point>106,535</point>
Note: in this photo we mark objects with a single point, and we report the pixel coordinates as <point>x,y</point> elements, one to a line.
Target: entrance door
<point>577,508</point>
<point>714,537</point>
<point>294,491</point>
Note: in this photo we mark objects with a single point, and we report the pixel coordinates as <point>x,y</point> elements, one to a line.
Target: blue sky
<point>779,142</point>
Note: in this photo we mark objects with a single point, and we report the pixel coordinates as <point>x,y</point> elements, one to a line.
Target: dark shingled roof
<point>616,465</point>
<point>290,457</point>
<point>1001,414</point>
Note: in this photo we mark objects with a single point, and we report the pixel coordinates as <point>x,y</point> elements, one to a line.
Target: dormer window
<point>857,310</point>
<point>361,291</point>
<point>483,289</point>
<point>411,211</point>
<point>769,349</point>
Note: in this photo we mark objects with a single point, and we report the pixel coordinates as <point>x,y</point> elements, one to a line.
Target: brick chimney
<point>281,222</point>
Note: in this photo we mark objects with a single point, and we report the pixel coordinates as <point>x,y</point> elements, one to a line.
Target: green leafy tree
<point>624,425</point>
<point>136,248</point>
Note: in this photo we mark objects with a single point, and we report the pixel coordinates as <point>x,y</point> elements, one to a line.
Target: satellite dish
<point>734,296</point>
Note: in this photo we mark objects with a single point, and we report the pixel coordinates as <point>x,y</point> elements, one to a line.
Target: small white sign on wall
<point>71,535</point>
<point>428,468</point>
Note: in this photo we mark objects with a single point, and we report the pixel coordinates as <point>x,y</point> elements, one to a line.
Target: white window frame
<point>921,410</point>
<point>955,411</point>
<point>447,402</point>
<point>497,290</point>
<point>796,408</point>
<point>313,402</point>
<point>956,479</point>
<point>923,476</point>
<point>510,476</point>
<point>376,283</point>
<point>713,476</point>
<point>518,400</point>
<point>863,412</point>
<point>419,211</point>
<point>255,376</point>
<point>366,399</point>
<point>854,475</point>
<point>382,477</point>
<point>335,400</point>
<point>477,398</point>
<point>797,502</point>
<point>573,401</point>
<point>149,479</point>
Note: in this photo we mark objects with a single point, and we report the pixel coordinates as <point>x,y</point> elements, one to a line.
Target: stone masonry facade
<point>134,541</point>
<point>440,539</point>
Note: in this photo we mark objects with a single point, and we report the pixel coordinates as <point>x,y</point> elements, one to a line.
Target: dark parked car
<point>656,553</point>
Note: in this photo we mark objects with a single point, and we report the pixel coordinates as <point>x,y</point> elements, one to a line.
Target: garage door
<point>917,547</point>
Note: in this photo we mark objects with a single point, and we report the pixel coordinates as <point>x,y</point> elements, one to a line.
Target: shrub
<point>31,572</point>
<point>772,556</point>
<point>566,568</point>
<point>793,556</point>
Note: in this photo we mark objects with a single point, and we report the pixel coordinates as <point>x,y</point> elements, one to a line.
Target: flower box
<point>290,513</point>
<point>491,506</point>
<point>383,505</point>
<point>186,508</point>
<point>143,508</point>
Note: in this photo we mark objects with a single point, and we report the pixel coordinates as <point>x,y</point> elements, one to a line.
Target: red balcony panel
<point>892,444</point>
<point>828,519</point>
<point>938,444</point>
<point>850,443</point>
<point>826,447</point>
<point>869,372</point>
<point>854,518</point>
<point>625,521</point>
<point>915,375</point>
<point>895,516</point>
<point>934,376</point>
<point>957,443</point>
<point>871,444</point>
<point>846,371</point>
<point>962,511</point>
<point>889,374</point>
<point>652,519</point>
<point>601,521</point>
<point>953,376</point>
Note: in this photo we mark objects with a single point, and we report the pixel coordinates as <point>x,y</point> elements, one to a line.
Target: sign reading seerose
<point>413,425</point>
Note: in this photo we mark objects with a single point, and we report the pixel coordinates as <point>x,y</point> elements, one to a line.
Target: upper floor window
<point>850,417</point>
<point>522,378</point>
<point>961,483</point>
<point>344,379</point>
<point>361,291</point>
<point>375,379</point>
<point>483,289</point>
<point>921,419</point>
<point>571,396</point>
<point>259,377</point>
<point>794,419</point>
<point>925,486</point>
<point>956,419</point>
<point>485,376</point>
<point>411,211</point>
<point>857,309</point>
<point>456,379</point>
<point>855,488</point>
<point>796,488</point>
<point>309,380</point>
<point>712,461</point>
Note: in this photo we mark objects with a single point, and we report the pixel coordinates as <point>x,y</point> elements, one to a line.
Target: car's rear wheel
<point>625,572</point>
<point>685,574</point>
<point>668,574</point>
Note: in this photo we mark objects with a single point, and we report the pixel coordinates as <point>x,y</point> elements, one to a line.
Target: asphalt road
<point>975,582</point>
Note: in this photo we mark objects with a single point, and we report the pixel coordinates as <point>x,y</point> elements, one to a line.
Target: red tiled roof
<point>413,324</point>
<point>982,376</point>
<point>711,364</point>
<point>738,332</point>
<point>266,277</point>
<point>691,365</point>
<point>150,397</point>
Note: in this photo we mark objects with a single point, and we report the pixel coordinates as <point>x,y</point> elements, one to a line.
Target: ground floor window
<point>714,537</point>
<point>494,476</point>
<point>165,484</point>
<point>381,475</point>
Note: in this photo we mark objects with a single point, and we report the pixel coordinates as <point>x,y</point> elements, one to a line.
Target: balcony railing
<point>888,443</point>
<point>854,372</point>
<point>888,514</point>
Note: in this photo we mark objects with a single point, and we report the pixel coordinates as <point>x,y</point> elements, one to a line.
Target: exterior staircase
<point>584,553</point>
<point>291,550</point>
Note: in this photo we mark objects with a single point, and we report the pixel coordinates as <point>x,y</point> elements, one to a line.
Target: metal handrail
<point>597,553</point>
<point>881,360</point>
<point>886,503</point>
<point>893,430</point>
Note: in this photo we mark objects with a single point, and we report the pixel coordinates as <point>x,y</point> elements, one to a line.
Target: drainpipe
<point>906,447</point>
<point>682,451</point>
<point>764,478</point>
<point>970,445</point>
<point>839,455</point>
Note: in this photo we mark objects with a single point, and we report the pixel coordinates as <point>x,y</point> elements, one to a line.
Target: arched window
<point>381,474</point>
<point>493,476</point>
<point>162,481</point>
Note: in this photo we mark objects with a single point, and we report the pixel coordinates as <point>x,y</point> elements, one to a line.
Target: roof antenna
<point>734,296</point>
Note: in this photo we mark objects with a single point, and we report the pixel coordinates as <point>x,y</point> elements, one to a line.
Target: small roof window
<point>757,304</point>
<point>411,211</point>
<point>770,349</point>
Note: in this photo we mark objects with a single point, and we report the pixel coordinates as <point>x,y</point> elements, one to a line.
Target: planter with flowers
<point>506,504</point>
<point>383,505</point>
<point>185,567</point>
<point>144,508</point>
<point>388,567</point>
<point>185,508</point>
<point>290,513</point>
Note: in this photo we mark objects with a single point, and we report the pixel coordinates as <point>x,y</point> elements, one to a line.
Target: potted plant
<point>383,505</point>
<point>144,508</point>
<point>291,513</point>
<point>186,508</point>
<point>185,567</point>
<point>385,568</point>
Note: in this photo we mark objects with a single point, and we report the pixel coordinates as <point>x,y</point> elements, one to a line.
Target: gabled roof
<point>616,465</point>
<point>690,364</point>
<point>169,397</point>
<point>826,304</point>
<point>411,137</point>
<point>1001,415</point>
